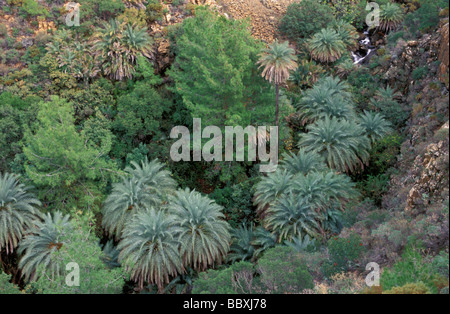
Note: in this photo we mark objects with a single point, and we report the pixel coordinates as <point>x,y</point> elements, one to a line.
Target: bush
<point>6,287</point>
<point>426,17</point>
<point>305,18</point>
<point>32,8</point>
<point>344,254</point>
<point>283,271</point>
<point>419,73</point>
<point>410,288</point>
<point>412,268</point>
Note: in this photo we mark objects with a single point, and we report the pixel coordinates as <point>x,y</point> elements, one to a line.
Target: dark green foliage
<point>419,73</point>
<point>344,254</point>
<point>426,17</point>
<point>305,18</point>
<point>283,271</point>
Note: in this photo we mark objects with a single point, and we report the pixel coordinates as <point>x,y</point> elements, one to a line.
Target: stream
<point>366,49</point>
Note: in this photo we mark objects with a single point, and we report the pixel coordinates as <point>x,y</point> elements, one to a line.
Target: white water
<point>357,59</point>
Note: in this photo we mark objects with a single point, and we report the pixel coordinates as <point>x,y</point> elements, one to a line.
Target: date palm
<point>326,46</point>
<point>203,231</point>
<point>37,248</point>
<point>303,162</point>
<point>324,189</point>
<point>150,248</point>
<point>270,188</point>
<point>342,143</point>
<point>277,61</point>
<point>291,217</point>
<point>119,45</point>
<point>347,32</point>
<point>300,243</point>
<point>242,248</point>
<point>18,211</point>
<point>391,16</point>
<point>263,240</point>
<point>374,124</point>
<point>147,184</point>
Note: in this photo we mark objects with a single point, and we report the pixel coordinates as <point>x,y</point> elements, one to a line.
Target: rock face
<point>264,14</point>
<point>444,56</point>
<point>430,173</point>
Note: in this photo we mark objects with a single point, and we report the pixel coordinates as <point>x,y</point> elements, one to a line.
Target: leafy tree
<point>14,113</point>
<point>139,112</point>
<point>61,158</point>
<point>150,249</point>
<point>79,246</point>
<point>18,211</point>
<point>326,46</point>
<point>215,71</point>
<point>277,60</point>
<point>238,278</point>
<point>282,271</point>
<point>203,231</point>
<point>304,18</point>
<point>6,287</point>
<point>342,143</point>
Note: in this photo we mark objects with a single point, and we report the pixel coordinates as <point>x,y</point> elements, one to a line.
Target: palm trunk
<point>277,99</point>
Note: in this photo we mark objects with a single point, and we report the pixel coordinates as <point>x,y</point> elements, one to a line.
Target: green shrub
<point>32,8</point>
<point>419,73</point>
<point>154,11</point>
<point>410,288</point>
<point>344,254</point>
<point>412,268</point>
<point>426,17</point>
<point>6,287</point>
<point>304,19</point>
<point>283,271</point>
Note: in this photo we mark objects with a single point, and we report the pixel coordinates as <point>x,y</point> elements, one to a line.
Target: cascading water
<point>366,49</point>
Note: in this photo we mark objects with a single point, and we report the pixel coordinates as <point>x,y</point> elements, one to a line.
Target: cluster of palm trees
<point>115,47</point>
<point>162,232</point>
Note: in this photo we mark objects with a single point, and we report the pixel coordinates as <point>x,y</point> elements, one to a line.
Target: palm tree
<point>18,211</point>
<point>150,248</point>
<point>344,68</point>
<point>152,174</point>
<point>203,231</point>
<point>326,46</point>
<point>37,248</point>
<point>342,143</point>
<point>270,188</point>
<point>375,126</point>
<point>300,243</point>
<point>263,240</point>
<point>291,217</point>
<point>126,199</point>
<point>242,248</point>
<point>146,185</point>
<point>303,162</point>
<point>119,45</point>
<point>323,190</point>
<point>277,60</point>
<point>391,16</point>
<point>347,32</point>
<point>307,73</point>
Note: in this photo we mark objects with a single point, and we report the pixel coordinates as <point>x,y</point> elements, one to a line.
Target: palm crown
<point>18,211</point>
<point>326,46</point>
<point>203,231</point>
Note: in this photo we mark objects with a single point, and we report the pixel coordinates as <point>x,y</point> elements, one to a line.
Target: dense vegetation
<point>86,175</point>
